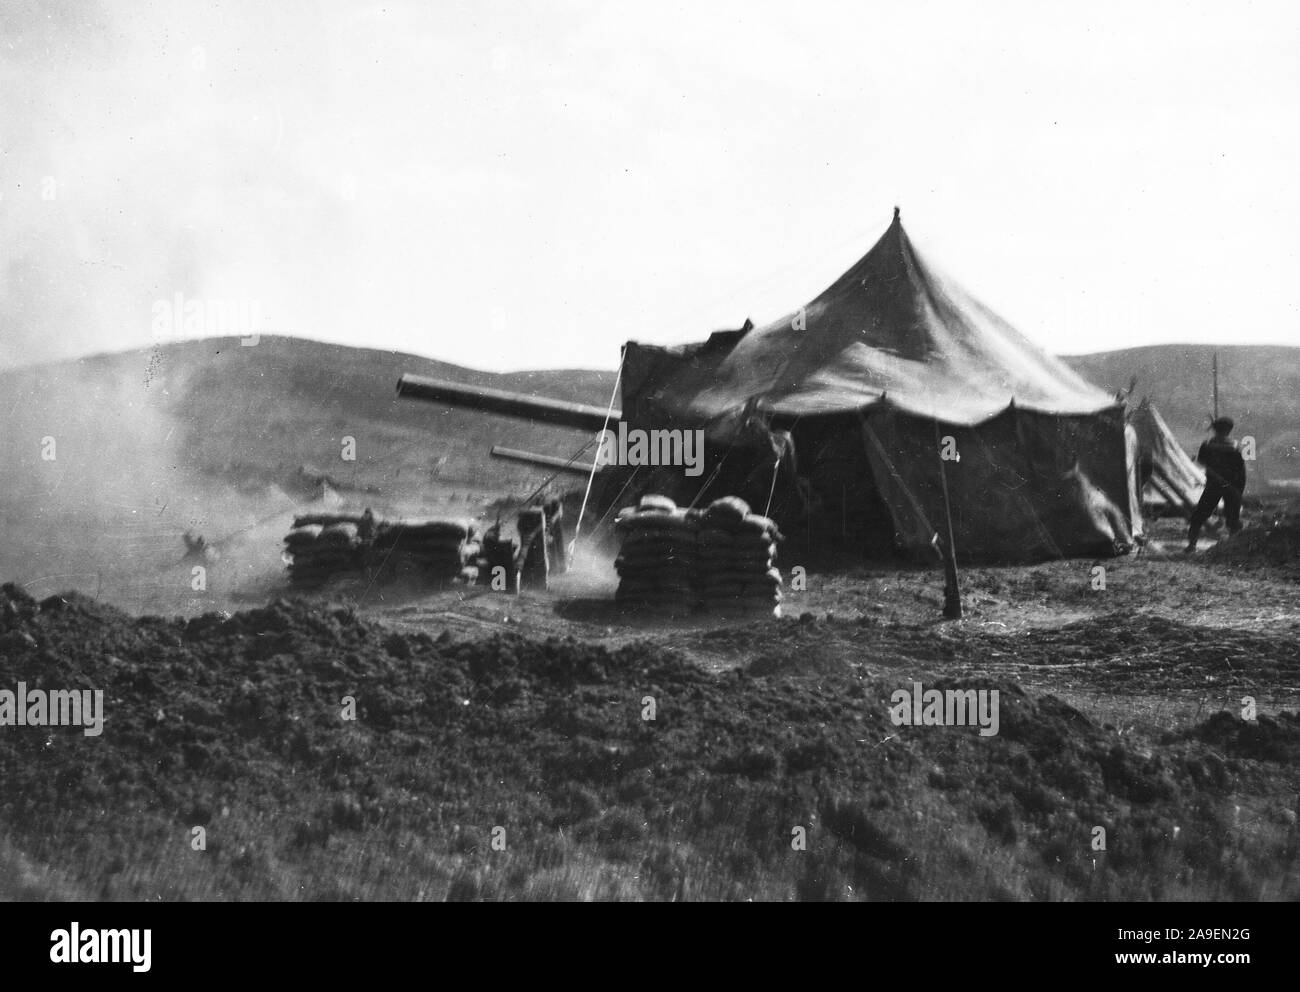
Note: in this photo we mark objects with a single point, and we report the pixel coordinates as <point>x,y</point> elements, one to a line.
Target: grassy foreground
<point>504,767</point>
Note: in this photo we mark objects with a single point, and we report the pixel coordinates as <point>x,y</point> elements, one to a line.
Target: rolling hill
<point>1259,387</point>
<point>110,458</point>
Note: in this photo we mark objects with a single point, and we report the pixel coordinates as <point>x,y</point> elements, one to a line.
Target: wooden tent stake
<point>951,588</point>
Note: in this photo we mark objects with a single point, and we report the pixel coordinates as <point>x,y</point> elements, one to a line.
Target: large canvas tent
<point>890,367</point>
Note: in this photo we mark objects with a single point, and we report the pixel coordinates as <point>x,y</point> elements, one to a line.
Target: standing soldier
<point>1225,479</point>
<point>366,528</point>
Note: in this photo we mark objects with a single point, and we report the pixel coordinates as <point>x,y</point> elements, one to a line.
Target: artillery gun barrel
<point>541,410</point>
<point>542,461</point>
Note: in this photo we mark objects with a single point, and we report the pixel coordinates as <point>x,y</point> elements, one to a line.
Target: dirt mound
<point>327,756</point>
<point>1273,540</point>
<point>1265,738</point>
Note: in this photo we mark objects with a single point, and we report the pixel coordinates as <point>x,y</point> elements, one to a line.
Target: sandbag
<point>721,555</point>
<point>681,563</point>
<point>676,531</point>
<point>340,533</point>
<point>325,519</point>
<point>711,540</point>
<point>656,503</point>
<point>301,568</point>
<point>663,552</point>
<point>733,552</point>
<point>727,508</point>
<point>325,552</point>
<point>681,579</point>
<point>458,529</point>
<point>756,566</point>
<point>329,553</point>
<point>639,567</point>
<point>430,548</point>
<point>753,524</point>
<point>420,539</point>
<point>302,535</point>
<point>655,541</point>
<point>439,534</point>
<point>713,537</point>
<point>644,576</point>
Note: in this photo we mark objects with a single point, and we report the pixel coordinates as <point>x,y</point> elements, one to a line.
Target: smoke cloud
<point>149,152</point>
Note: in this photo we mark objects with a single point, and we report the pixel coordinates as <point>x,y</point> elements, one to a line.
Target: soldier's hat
<point>1223,425</point>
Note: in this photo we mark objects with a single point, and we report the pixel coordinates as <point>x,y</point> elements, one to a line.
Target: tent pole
<point>1216,385</point>
<point>951,588</point>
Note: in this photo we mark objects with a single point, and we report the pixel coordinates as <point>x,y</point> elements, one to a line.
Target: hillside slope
<point>1259,387</point>
<point>110,458</point>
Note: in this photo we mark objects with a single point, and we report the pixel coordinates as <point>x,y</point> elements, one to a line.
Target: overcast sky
<point>511,185</point>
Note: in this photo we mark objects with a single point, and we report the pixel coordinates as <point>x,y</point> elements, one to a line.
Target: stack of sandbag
<point>656,561</point>
<point>316,550</point>
<point>436,550</point>
<point>326,519</point>
<point>737,556</point>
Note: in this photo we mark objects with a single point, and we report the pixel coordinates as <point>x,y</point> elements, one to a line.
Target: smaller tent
<point>1170,481</point>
